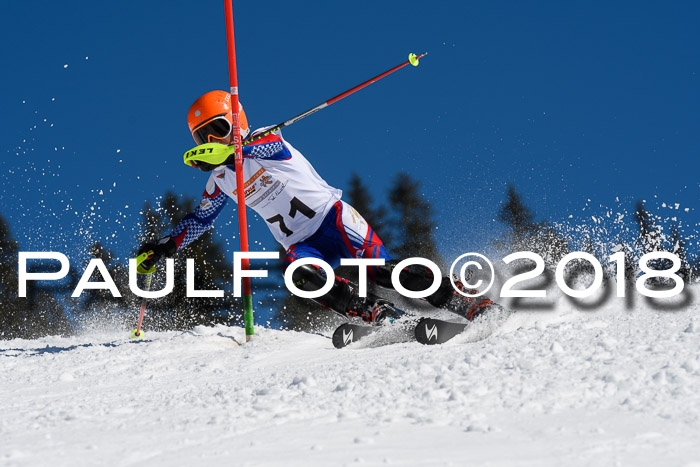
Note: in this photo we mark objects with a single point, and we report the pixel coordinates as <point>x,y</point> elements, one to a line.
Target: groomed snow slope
<point>610,387</point>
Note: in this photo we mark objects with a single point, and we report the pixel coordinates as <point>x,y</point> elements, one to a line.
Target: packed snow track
<point>607,387</point>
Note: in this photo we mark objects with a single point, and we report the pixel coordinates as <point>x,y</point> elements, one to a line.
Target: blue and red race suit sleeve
<point>271,147</point>
<point>202,219</point>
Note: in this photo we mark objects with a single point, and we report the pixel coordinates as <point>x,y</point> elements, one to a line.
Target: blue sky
<point>578,105</point>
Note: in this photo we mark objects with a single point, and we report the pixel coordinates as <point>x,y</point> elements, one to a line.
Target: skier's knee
<point>414,277</point>
<point>308,278</point>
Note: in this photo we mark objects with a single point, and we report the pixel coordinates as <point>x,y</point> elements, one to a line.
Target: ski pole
<point>412,59</point>
<point>138,333</point>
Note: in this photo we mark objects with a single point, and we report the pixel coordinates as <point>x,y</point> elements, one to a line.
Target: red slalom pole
<point>242,222</point>
<point>412,59</point>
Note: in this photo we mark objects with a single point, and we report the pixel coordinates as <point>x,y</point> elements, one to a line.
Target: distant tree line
<point>525,234</point>
<point>175,310</point>
<point>48,310</point>
<point>405,222</point>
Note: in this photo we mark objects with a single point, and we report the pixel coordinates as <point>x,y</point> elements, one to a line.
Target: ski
<point>430,331</point>
<point>347,333</point>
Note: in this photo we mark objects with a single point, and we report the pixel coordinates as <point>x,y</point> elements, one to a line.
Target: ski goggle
<point>216,128</point>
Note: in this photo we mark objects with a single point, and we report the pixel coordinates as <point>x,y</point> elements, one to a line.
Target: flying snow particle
<point>86,58</point>
<point>65,66</point>
<point>119,150</point>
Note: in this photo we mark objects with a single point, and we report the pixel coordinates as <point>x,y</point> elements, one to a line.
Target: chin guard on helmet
<point>209,156</point>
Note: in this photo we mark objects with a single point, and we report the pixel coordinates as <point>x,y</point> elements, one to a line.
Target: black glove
<point>166,246</point>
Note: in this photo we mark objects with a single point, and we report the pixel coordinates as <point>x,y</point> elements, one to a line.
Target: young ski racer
<point>305,214</point>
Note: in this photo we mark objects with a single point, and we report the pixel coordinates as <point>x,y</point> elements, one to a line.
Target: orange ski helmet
<point>210,119</point>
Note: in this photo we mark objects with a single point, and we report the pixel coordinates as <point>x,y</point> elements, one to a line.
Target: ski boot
<point>372,310</point>
<point>343,297</point>
<point>448,298</point>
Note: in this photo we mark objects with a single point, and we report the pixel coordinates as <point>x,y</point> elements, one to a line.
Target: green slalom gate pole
<point>242,222</point>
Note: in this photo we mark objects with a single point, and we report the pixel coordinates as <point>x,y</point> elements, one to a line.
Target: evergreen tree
<point>360,198</point>
<point>11,316</point>
<point>8,261</point>
<point>38,314</point>
<point>525,234</point>
<point>414,227</point>
<point>517,216</point>
<point>651,239</point>
<point>649,232</point>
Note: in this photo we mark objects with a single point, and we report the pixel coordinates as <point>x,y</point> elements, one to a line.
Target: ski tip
<point>430,331</point>
<point>348,333</point>
<point>421,331</point>
<point>343,336</point>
